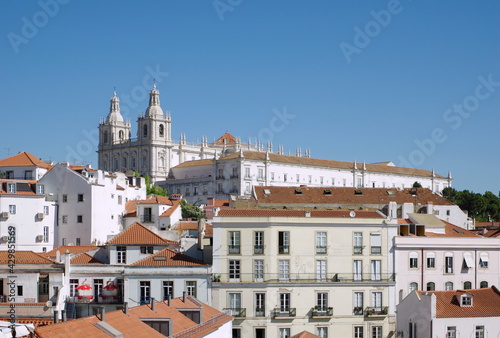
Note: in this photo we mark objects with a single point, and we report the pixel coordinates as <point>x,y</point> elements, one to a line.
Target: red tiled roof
<point>85,259</point>
<point>25,257</point>
<point>156,200</point>
<point>297,213</point>
<point>23,159</point>
<point>230,139</point>
<point>485,303</point>
<point>305,334</point>
<point>195,163</point>
<point>187,225</point>
<point>220,202</point>
<point>170,211</point>
<point>492,233</point>
<point>137,234</point>
<point>71,248</point>
<point>344,195</point>
<point>168,257</point>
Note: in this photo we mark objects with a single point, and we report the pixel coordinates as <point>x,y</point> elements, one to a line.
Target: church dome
<point>114,115</point>
<point>154,109</point>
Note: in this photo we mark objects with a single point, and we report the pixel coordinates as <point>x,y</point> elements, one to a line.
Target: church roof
<point>230,139</point>
<point>23,159</point>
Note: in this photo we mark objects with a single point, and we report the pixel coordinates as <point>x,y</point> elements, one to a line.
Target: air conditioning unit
<point>39,238</point>
<point>5,238</point>
<point>40,215</point>
<point>5,214</point>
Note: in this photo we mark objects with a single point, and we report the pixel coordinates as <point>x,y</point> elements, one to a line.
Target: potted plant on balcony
<point>216,278</point>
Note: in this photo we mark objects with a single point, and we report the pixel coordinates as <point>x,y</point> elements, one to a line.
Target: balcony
<point>321,312</point>
<point>234,249</point>
<point>376,250</point>
<point>358,250</point>
<point>357,311</point>
<point>376,312</point>
<point>146,219</point>
<point>307,278</point>
<point>235,312</point>
<point>321,249</point>
<point>285,313</point>
<point>258,249</point>
<point>284,249</point>
<point>234,176</point>
<point>260,312</point>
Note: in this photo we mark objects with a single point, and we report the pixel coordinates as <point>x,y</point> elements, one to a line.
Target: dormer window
<point>466,300</point>
<point>11,188</point>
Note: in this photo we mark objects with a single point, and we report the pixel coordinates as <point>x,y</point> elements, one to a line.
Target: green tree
<point>191,211</point>
<point>417,185</point>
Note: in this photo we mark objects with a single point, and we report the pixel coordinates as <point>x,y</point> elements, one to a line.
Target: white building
<point>237,173</point>
<point>431,254</point>
<point>450,314</point>
<point>90,202</point>
<point>23,166</point>
<point>330,272</point>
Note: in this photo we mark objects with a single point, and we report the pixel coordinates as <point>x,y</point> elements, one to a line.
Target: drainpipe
<point>475,268</point>
<point>422,272</point>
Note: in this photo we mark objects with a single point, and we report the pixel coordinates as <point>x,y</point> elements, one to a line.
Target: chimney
<point>125,308</point>
<point>184,296</point>
<point>103,314</point>
<point>307,214</point>
<point>169,299</point>
<point>152,303</point>
<point>63,315</point>
<point>56,316</point>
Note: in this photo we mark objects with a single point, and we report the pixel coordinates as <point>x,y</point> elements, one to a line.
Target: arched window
<point>483,284</point>
<point>448,286</point>
<point>431,286</point>
<point>121,135</point>
<point>124,162</point>
<point>145,130</point>
<point>161,130</point>
<point>413,286</point>
<point>105,136</point>
<point>133,162</point>
<point>467,285</point>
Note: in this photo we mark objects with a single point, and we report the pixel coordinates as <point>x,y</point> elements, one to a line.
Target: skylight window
<point>298,191</point>
<point>327,192</point>
<point>391,193</point>
<point>159,258</point>
<point>358,192</point>
<point>267,192</point>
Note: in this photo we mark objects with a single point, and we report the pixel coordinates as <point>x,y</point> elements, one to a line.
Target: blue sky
<point>413,82</point>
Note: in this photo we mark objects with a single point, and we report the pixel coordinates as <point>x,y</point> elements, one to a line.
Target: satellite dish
<point>352,214</point>
<point>49,303</point>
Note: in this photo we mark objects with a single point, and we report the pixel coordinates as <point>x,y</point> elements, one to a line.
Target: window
<point>144,291</point>
<point>247,172</point>
<point>448,286</point>
<point>145,130</point>
<point>344,182</point>
<point>73,283</point>
<point>483,260</point>
<point>260,174</point>
<point>65,219</point>
<point>80,197</point>
<point>375,267</point>
<point>479,331</point>
<point>298,178</point>
<point>376,243</point>
<point>358,270</point>
<point>191,288</point>
<point>321,270</point>
<point>260,304</point>
<point>234,303</point>
<point>483,284</point>
<point>448,261</point>
<point>284,270</point>
<point>163,326</point>
<point>258,243</point>
<point>431,286</point>
<point>79,219</point>
<point>20,290</point>
<point>322,331</point>
<point>431,260</point>
<point>284,302</point>
<point>12,209</point>
<point>285,177</point>
<point>234,270</point>
<point>45,234</point>
<point>322,301</point>
<point>358,303</point>
<point>467,262</point>
<point>309,178</point>
<point>376,331</point>
<point>272,176</point>
<point>321,242</point>
<point>451,332</point>
<point>234,242</point>
<point>377,300</point>
<point>121,254</point>
<point>46,209</point>
<point>64,241</point>
<point>284,333</point>
<point>258,270</point>
<point>168,289</point>
<point>40,189</point>
<point>161,130</point>
<point>65,198</point>
<point>321,180</point>
<point>413,286</point>
<point>146,250</point>
<point>358,243</point>
<point>9,174</point>
<point>120,199</point>
<point>358,332</point>
<point>412,330</point>
<point>467,285</point>
<point>284,242</point>
<point>247,187</point>
<point>78,241</point>
<point>413,260</point>
<point>11,188</point>
<point>195,191</point>
<point>466,300</point>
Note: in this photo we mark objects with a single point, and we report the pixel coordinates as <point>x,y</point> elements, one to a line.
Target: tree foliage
<point>417,185</point>
<point>191,211</point>
<point>154,189</point>
<point>482,207</point>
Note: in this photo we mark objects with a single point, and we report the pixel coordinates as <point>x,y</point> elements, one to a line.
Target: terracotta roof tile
<point>23,159</point>
<point>156,200</point>
<point>305,334</point>
<point>26,257</point>
<point>137,234</point>
<point>485,303</point>
<point>170,211</point>
<point>221,202</point>
<point>230,139</point>
<point>168,257</point>
<point>187,225</point>
<point>492,233</point>
<point>344,195</point>
<point>297,213</point>
<point>195,163</point>
<point>85,259</point>
<point>71,248</point>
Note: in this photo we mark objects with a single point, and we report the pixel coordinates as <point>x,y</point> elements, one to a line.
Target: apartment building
<point>279,272</point>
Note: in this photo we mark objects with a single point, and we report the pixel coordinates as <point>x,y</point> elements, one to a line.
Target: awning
<point>468,261</point>
<point>484,257</point>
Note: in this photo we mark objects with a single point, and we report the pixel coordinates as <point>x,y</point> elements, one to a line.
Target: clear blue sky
<point>364,80</point>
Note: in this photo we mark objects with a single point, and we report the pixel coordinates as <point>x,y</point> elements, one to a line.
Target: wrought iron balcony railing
<point>318,311</point>
<point>234,249</point>
<point>376,311</point>
<point>235,312</point>
<point>284,313</point>
<point>262,277</point>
